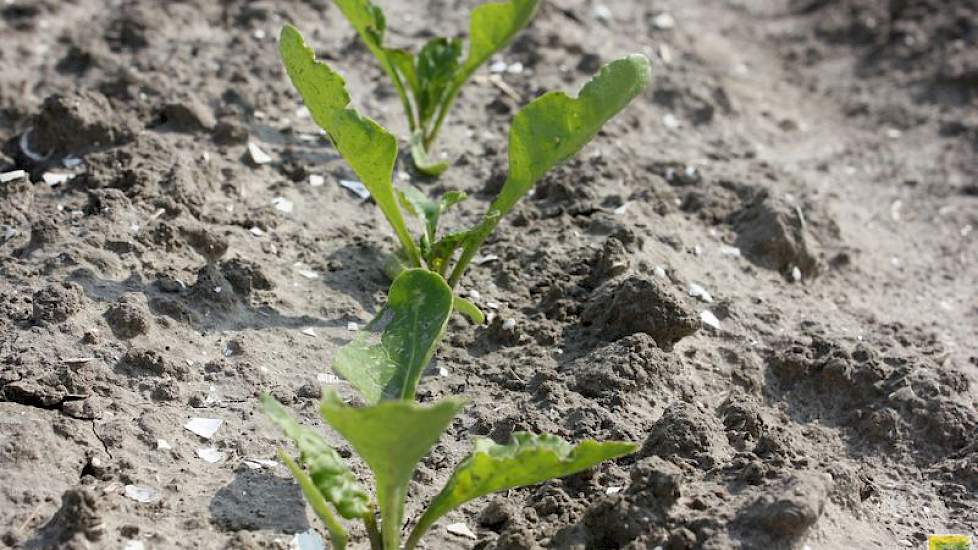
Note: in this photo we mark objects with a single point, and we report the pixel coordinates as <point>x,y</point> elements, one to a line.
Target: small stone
<point>283,204</point>
<point>7,177</point>
<point>143,494</point>
<point>258,156</point>
<point>664,21</point>
<point>307,540</point>
<point>315,180</point>
<point>204,427</point>
<point>210,454</point>
<point>697,291</point>
<point>709,319</point>
<point>461,530</point>
<point>352,326</point>
<point>358,188</point>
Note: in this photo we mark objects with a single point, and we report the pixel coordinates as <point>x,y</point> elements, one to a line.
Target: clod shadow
<point>257,499</point>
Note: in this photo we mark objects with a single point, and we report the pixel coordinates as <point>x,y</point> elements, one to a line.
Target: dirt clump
<point>639,303</point>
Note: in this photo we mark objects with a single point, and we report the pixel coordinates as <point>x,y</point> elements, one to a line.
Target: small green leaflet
<point>527,460</point>
<point>391,436</point>
<point>423,162</point>
<point>551,129</point>
<point>554,127</point>
<point>418,204</point>
<point>470,310</point>
<point>387,357</point>
<point>329,473</point>
<point>366,146</point>
<point>492,26</point>
<point>436,65</point>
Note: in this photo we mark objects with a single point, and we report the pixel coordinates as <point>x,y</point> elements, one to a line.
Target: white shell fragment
<point>697,291</point>
<point>670,121</point>
<point>709,319</point>
<point>307,540</point>
<point>315,180</point>
<point>259,463</point>
<point>730,251</point>
<point>308,331</point>
<point>163,445</point>
<point>140,493</point>
<point>461,530</point>
<point>358,188</point>
<point>283,204</point>
<point>509,324</point>
<point>308,273</point>
<point>482,260</point>
<point>134,545</point>
<point>602,12</point>
<point>612,490</point>
<point>14,175</point>
<point>55,178</point>
<point>257,155</point>
<point>204,427</point>
<point>352,327</point>
<point>664,21</point>
<point>256,231</point>
<point>795,274</point>
<point>210,454</point>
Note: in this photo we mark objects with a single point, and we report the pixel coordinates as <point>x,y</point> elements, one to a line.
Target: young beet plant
<point>384,363</point>
<point>429,82</point>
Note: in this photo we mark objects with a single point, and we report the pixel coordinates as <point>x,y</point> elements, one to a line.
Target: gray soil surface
<point>811,164</point>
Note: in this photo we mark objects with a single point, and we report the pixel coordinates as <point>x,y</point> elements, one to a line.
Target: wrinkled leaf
<point>327,470</point>
<point>366,146</point>
<point>492,26</point>
<point>429,210</point>
<point>387,357</point>
<point>391,436</point>
<point>337,534</point>
<point>423,162</point>
<point>470,310</point>
<point>441,252</point>
<point>526,460</point>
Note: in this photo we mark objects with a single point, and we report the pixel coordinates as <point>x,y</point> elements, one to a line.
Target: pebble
<point>482,260</point>
<point>257,155</point>
<point>709,319</point>
<point>307,540</point>
<point>461,530</point>
<point>315,180</point>
<point>358,188</point>
<point>664,21</point>
<point>283,204</point>
<point>140,493</point>
<point>659,271</point>
<point>353,327</point>
<point>509,324</point>
<point>14,175</point>
<point>204,427</point>
<point>729,250</point>
<point>55,178</point>
<point>210,454</point>
<point>670,121</point>
<point>697,291</point>
<point>134,545</point>
<point>256,231</point>
<point>795,274</point>
<point>308,332</point>
<point>163,445</point>
<point>602,12</point>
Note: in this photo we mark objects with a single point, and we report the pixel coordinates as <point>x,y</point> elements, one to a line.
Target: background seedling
<point>429,82</point>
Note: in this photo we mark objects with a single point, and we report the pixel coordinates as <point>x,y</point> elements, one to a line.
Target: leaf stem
<point>370,522</point>
<point>337,534</point>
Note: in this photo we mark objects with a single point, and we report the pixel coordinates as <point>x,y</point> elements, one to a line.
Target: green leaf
<point>470,310</point>
<point>371,25</point>
<point>366,146</point>
<point>527,460</point>
<point>329,473</point>
<point>420,205</point>
<point>492,26</point>
<point>436,66</point>
<point>391,436</point>
<point>441,252</point>
<point>553,128</point>
<point>337,534</point>
<point>387,357</point>
<point>419,155</point>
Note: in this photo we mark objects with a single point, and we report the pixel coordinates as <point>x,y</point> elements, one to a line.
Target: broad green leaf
<point>387,357</point>
<point>470,310</point>
<point>436,67</point>
<point>391,436</point>
<point>554,127</point>
<point>423,162</point>
<point>527,460</point>
<point>492,26</point>
<point>337,534</point>
<point>327,470</point>
<point>366,146</point>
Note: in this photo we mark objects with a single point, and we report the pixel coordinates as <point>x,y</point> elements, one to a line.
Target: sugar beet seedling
<point>428,83</point>
<point>384,363</point>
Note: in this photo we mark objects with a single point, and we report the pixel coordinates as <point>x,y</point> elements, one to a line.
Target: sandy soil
<point>811,165</point>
